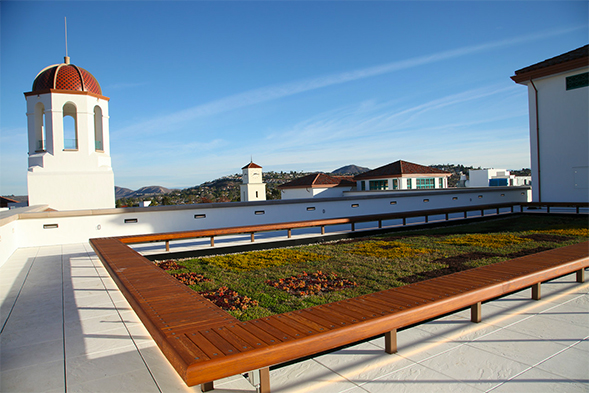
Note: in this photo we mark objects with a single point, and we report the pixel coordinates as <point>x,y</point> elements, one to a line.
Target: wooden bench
<point>205,344</point>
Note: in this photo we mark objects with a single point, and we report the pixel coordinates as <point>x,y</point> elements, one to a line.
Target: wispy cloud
<point>177,119</point>
<point>124,85</point>
<point>369,134</point>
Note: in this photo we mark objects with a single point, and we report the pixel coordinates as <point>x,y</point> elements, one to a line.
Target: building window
<point>363,185</point>
<point>441,183</point>
<point>408,184</point>
<point>425,183</point>
<point>395,184</point>
<point>378,184</point>
<point>577,81</point>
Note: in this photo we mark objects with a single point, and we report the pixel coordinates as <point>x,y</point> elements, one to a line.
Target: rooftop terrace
<point>66,327</point>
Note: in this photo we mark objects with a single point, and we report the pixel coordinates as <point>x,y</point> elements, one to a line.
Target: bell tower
<point>68,140</point>
<point>252,189</point>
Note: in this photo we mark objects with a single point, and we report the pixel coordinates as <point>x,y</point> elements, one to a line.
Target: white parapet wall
<point>30,227</point>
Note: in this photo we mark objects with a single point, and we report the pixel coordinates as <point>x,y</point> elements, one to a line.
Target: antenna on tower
<point>66,59</point>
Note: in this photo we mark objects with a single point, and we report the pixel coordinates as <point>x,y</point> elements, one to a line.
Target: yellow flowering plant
<point>582,232</point>
<point>263,259</point>
<point>485,240</point>
<point>388,249</point>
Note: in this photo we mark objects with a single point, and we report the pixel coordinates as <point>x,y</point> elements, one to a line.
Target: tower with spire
<point>68,140</point>
<point>253,188</point>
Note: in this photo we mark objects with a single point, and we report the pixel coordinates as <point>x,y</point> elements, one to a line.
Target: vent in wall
<point>130,220</point>
<point>50,226</point>
<point>200,216</point>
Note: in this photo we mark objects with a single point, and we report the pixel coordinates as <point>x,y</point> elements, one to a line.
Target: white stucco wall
<point>66,227</point>
<point>562,174</point>
<point>253,192</point>
<point>313,192</point>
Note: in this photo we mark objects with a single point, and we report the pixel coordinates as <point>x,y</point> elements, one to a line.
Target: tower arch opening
<point>40,136</point>
<point>70,126</point>
<point>98,129</point>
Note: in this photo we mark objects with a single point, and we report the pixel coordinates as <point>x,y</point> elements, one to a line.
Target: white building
<point>402,175</point>
<point>558,96</point>
<point>69,151</point>
<point>495,177</point>
<point>253,188</point>
<point>318,185</point>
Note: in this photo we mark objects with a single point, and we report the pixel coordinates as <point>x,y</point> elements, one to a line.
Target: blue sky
<point>197,88</point>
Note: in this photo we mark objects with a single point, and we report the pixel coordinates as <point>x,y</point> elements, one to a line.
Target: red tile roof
<point>320,180</point>
<point>398,169</point>
<point>252,165</point>
<point>66,77</point>
<point>567,61</point>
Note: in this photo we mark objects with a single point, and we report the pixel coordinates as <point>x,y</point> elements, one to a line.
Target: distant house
<point>495,177</point>
<point>319,185</point>
<point>558,98</point>
<point>402,175</point>
<point>7,202</point>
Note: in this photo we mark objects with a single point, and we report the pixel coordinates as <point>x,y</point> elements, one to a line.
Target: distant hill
<point>350,170</point>
<point>121,192</point>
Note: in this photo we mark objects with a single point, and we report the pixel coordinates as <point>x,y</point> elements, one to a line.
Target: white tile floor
<point>66,327</point>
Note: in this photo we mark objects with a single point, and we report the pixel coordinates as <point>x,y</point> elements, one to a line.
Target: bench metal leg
<point>206,387</point>
<point>536,293</point>
<point>265,380</point>
<point>390,341</point>
<point>581,275</point>
<point>475,312</point>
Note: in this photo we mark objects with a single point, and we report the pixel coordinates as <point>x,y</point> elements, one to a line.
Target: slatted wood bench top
<point>204,343</point>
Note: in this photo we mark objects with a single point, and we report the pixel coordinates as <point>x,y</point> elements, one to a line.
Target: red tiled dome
<point>66,77</point>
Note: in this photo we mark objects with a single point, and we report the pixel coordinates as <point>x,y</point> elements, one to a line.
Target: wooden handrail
<point>146,238</point>
<point>322,223</point>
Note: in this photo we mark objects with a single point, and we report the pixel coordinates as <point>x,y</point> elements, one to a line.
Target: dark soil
<point>458,263</point>
<point>544,237</point>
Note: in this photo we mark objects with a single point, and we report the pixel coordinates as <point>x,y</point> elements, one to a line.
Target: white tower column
<point>253,188</point>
